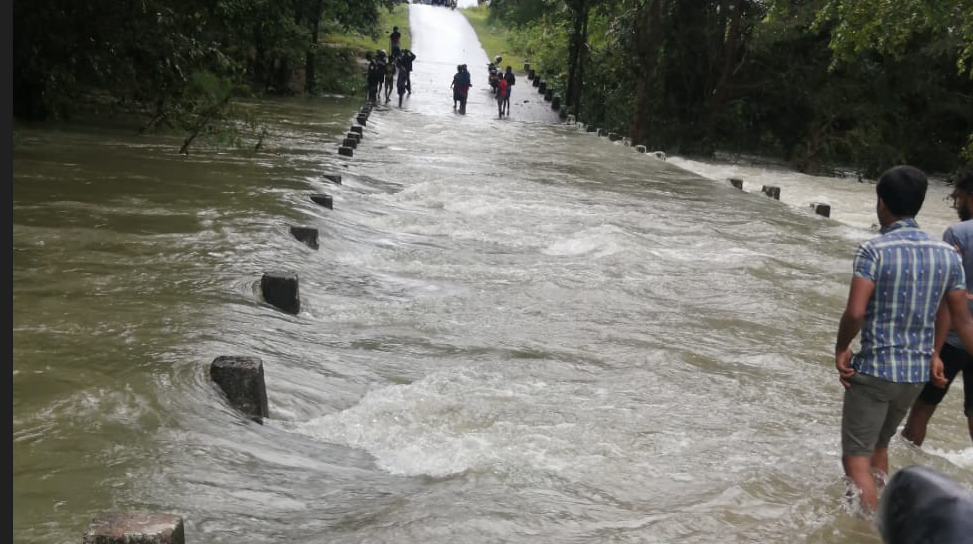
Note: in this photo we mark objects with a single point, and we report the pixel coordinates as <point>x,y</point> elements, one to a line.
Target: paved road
<point>443,38</point>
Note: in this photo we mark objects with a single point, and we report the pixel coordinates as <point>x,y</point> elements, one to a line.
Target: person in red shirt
<point>502,96</point>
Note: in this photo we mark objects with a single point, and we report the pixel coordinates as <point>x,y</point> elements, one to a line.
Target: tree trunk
<point>310,85</point>
<point>575,49</point>
<point>648,40</point>
<point>730,49</point>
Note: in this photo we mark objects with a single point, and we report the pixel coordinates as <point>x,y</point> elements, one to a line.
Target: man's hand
<point>842,362</point>
<point>937,373</point>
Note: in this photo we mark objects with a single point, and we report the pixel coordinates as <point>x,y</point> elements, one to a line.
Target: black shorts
<point>955,360</point>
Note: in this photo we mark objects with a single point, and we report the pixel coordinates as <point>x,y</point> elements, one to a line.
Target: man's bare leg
<point>859,471</point>
<point>918,420</point>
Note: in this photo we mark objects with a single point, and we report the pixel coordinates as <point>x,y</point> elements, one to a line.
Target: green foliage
<point>497,37</point>
<point>892,28</point>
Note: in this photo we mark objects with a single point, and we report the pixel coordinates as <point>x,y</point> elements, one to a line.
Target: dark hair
<point>903,189</point>
<point>964,181</point>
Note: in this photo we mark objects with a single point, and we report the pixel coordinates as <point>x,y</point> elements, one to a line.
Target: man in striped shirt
<point>899,279</point>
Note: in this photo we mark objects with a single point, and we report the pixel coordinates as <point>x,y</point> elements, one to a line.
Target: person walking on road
<point>501,95</point>
<point>395,42</point>
<point>461,87</point>
<point>402,79</point>
<point>511,80</point>
<point>949,348</point>
<point>900,278</point>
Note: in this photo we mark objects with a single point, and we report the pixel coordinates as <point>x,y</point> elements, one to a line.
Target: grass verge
<point>494,39</point>
<point>399,17</point>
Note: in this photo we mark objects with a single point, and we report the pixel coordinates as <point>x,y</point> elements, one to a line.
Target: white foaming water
<point>852,202</point>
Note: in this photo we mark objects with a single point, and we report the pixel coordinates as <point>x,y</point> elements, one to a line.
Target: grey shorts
<point>872,411</point>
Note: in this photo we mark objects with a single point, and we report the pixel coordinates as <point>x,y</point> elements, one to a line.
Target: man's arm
<point>958,317</point>
<point>851,323</point>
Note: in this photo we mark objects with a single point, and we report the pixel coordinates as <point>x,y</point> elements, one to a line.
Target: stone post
<point>737,182</point>
<point>771,191</point>
<point>821,209</point>
<point>135,528</point>
<point>281,289</point>
<point>307,235</point>
<point>346,151</point>
<point>323,199</point>
<point>242,380</point>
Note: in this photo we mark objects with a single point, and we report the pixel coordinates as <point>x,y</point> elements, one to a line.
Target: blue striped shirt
<point>911,272</point>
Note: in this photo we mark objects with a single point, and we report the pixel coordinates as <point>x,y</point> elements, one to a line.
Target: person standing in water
<point>900,278</point>
<point>402,80</point>
<point>949,347</point>
<point>511,79</point>
<point>461,87</point>
<point>501,95</point>
<point>395,42</point>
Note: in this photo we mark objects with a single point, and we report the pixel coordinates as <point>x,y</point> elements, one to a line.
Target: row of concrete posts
<point>240,378</point>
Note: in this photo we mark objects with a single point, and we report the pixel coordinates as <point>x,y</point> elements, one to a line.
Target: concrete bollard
<point>562,113</point>
<point>242,380</point>
<point>549,95</point>
<point>537,81</point>
<point>555,102</point>
<point>307,235</point>
<point>821,209</point>
<point>737,182</point>
<point>346,151</point>
<point>281,289</point>
<point>531,74</point>
<point>571,119</point>
<point>640,148</point>
<point>362,120</point>
<point>771,191</point>
<point>365,110</point>
<point>527,67</point>
<point>135,528</point>
<point>357,129</point>
<point>591,128</point>
<point>661,155</point>
<point>542,88</point>
<point>354,136</point>
<point>614,136</point>
<point>350,142</point>
<point>325,200</point>
<point>603,132</point>
<point>336,178</point>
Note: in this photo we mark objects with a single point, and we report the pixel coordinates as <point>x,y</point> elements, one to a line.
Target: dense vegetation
<point>863,83</point>
<point>180,63</point>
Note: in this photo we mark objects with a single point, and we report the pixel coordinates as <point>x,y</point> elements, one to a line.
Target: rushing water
<point>512,332</point>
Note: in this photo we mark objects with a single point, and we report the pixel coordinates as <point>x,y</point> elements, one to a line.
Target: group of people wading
<point>500,84</point>
<point>384,70</point>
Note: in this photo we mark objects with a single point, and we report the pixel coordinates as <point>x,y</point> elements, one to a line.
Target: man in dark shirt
<point>395,42</point>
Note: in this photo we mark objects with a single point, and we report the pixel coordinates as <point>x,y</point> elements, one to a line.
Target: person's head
<point>962,194</point>
<point>901,191</point>
<point>509,69</point>
<point>368,56</point>
<point>459,67</point>
<point>395,29</point>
